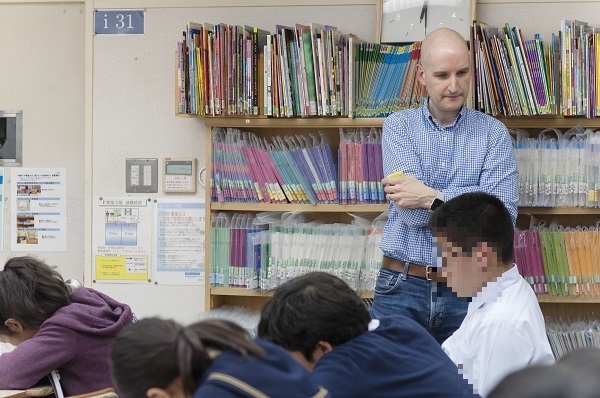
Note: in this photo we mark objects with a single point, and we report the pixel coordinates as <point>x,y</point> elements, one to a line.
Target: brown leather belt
<point>420,271</point>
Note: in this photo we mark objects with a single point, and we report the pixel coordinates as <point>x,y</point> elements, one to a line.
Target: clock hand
<point>424,15</point>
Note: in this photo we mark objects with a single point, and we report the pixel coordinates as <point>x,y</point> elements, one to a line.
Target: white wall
<point>42,73</point>
<point>542,18</point>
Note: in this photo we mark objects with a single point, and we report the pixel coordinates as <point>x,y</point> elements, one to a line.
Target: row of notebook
<point>560,261</point>
<point>297,168</point>
<point>566,335</point>
<point>264,250</point>
<point>559,170</point>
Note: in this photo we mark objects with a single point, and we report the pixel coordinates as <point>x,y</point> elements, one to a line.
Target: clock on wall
<point>404,21</point>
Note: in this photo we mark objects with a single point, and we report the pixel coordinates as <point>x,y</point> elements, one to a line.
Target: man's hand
<point>408,192</point>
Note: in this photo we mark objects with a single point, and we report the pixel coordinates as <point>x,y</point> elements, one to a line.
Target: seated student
<point>157,358</point>
<point>53,329</point>
<point>322,322</point>
<point>574,376</point>
<point>504,328</point>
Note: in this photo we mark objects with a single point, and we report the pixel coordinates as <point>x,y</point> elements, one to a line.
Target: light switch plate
<point>141,175</point>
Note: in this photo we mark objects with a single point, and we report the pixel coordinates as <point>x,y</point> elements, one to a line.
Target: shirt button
<point>445,138</point>
<point>442,164</point>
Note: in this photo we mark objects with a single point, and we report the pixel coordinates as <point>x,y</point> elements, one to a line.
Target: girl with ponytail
<point>158,358</point>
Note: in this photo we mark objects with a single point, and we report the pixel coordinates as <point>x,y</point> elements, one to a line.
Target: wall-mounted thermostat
<point>179,175</point>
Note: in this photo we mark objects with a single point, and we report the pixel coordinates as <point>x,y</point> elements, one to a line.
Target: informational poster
<point>122,239</point>
<point>179,243</point>
<point>38,209</point>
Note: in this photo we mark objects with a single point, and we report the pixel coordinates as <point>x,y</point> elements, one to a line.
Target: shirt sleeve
<point>336,375</point>
<point>499,175</point>
<point>35,358</point>
<point>399,154</point>
<point>495,351</point>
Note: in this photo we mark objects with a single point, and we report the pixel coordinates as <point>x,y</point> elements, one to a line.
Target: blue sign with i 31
<point>119,22</point>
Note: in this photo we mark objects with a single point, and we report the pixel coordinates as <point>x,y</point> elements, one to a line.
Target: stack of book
<point>516,77</point>
<point>513,76</point>
<point>304,70</point>
<point>218,69</point>
<point>296,168</point>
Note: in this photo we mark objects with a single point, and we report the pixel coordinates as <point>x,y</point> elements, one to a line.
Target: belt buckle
<point>428,271</point>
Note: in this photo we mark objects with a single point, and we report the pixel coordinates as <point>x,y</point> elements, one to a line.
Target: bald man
<point>444,149</point>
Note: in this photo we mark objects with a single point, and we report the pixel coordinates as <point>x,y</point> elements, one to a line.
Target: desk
<point>40,391</point>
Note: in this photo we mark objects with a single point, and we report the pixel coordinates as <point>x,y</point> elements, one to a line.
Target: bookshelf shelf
<point>569,299</point>
<point>542,122</point>
<point>241,292</point>
<point>292,122</point>
<point>319,208</point>
<point>559,210</point>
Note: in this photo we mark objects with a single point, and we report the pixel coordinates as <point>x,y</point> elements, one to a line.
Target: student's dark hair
<point>555,381</point>
<point>537,381</point>
<point>311,308</point>
<point>30,292</point>
<point>583,359</point>
<point>154,352</point>
<point>472,218</point>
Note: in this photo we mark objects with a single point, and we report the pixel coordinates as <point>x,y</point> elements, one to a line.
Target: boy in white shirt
<point>504,329</point>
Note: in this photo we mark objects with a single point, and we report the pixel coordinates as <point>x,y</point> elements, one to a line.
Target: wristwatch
<point>437,201</point>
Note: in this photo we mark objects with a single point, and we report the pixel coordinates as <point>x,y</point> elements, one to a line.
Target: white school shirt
<point>504,331</point>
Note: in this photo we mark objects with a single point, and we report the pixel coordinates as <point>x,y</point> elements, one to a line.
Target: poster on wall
<point>38,204</point>
<point>122,239</point>
<point>179,242</point>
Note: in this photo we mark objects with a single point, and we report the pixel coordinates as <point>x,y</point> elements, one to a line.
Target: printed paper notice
<point>38,209</point>
<point>122,239</point>
<point>179,246</point>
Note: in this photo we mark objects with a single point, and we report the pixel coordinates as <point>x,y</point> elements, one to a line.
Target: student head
<point>538,382</point>
<point>584,359</point>
<point>473,234</point>
<point>445,72</point>
<point>30,293</point>
<point>312,314</point>
<point>158,358</point>
<point>575,375</point>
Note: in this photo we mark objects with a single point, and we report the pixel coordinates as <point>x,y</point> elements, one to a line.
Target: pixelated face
<point>462,270</point>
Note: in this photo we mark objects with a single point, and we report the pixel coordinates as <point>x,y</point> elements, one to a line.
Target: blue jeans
<point>431,304</point>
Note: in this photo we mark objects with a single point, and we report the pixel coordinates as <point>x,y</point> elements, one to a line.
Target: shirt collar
<point>461,115</point>
<point>492,290</point>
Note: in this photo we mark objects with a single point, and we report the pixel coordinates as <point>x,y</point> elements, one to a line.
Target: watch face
<point>404,21</point>
<point>436,203</point>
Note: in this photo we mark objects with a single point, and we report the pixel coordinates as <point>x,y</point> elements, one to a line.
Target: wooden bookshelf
<point>267,126</point>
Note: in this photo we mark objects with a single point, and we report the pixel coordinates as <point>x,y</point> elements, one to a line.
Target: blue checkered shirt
<point>472,154</point>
